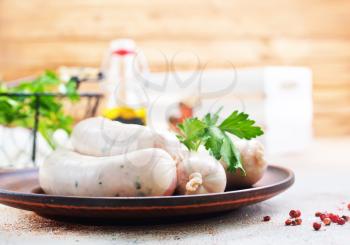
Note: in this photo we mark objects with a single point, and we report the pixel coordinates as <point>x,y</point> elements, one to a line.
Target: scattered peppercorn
<point>326,218</point>
<point>341,221</point>
<point>323,216</point>
<point>316,226</point>
<point>294,213</point>
<point>335,218</point>
<point>327,221</point>
<point>288,222</point>
<point>346,218</point>
<point>298,221</point>
<point>266,218</point>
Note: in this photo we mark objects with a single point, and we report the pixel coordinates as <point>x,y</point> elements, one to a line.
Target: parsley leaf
<point>230,154</point>
<point>196,132</point>
<point>210,119</point>
<point>193,131</point>
<point>240,125</point>
<point>214,141</point>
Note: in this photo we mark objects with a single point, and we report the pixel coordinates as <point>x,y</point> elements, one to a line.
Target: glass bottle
<point>126,99</point>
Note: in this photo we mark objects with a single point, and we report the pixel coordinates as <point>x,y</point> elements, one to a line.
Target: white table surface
<point>322,183</point>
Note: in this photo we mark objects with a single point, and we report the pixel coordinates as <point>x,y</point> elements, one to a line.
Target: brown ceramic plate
<point>20,189</point>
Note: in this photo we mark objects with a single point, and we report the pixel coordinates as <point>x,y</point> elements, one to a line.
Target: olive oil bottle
<point>126,100</point>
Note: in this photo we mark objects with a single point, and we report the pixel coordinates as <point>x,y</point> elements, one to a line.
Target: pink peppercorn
<point>316,226</point>
<point>288,222</point>
<point>323,216</point>
<point>335,218</point>
<point>346,218</point>
<point>341,221</point>
<point>298,221</point>
<point>294,213</point>
<point>327,221</point>
<point>266,218</point>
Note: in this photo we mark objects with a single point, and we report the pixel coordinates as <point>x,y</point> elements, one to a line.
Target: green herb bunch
<point>206,131</point>
<point>20,110</point>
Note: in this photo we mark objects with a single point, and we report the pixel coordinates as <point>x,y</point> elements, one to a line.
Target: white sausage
<point>200,173</point>
<point>197,172</point>
<point>102,137</point>
<point>253,161</point>
<point>147,172</point>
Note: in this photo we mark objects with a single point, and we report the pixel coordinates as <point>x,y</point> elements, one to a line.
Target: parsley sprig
<point>20,111</point>
<point>206,131</point>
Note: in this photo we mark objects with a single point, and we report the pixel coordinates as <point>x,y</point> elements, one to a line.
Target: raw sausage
<point>99,136</point>
<point>200,173</point>
<point>147,172</point>
<point>253,161</point>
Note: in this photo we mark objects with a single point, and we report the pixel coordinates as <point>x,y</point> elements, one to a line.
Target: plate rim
<point>288,181</point>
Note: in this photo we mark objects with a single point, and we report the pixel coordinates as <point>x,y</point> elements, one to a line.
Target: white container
<point>286,103</point>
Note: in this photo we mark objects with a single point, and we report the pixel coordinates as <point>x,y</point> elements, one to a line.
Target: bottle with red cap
<point>123,69</point>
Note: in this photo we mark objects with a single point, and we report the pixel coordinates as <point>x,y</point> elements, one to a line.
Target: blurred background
<point>39,34</point>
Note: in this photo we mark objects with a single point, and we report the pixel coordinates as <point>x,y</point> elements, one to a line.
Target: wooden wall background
<point>38,34</point>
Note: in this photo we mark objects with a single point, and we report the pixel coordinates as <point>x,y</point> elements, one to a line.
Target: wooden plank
<point>192,20</point>
<point>330,126</point>
<point>332,96</point>
<point>310,51</point>
<point>158,53</point>
<point>330,131</point>
<point>239,52</point>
